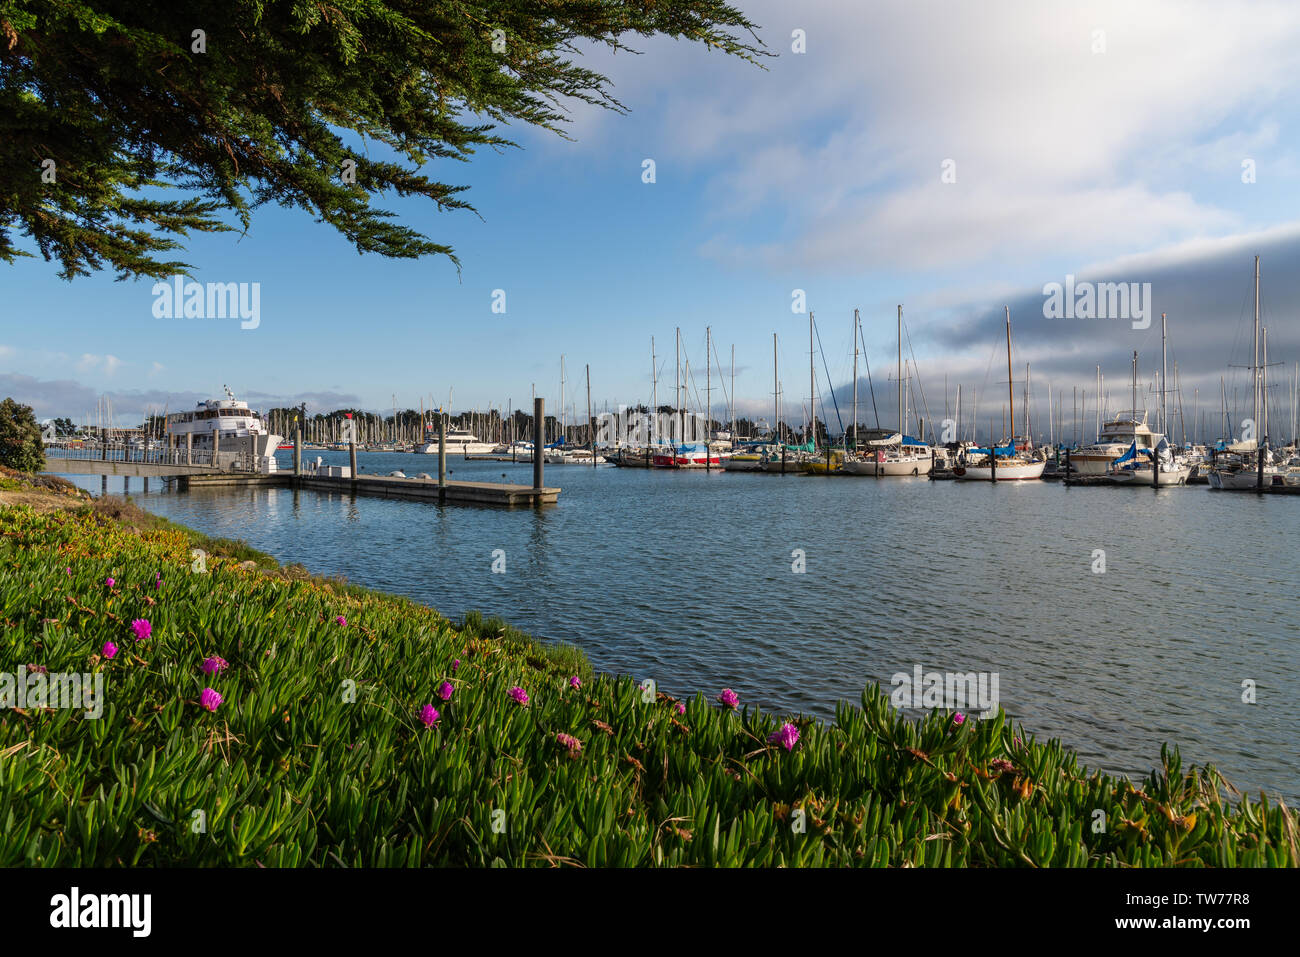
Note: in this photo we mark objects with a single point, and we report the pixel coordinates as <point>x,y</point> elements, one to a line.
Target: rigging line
<point>721,379</point>
<point>869,383</point>
<point>829,387</point>
<point>919,387</point>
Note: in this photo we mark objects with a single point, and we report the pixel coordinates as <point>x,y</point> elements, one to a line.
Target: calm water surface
<point>686,578</point>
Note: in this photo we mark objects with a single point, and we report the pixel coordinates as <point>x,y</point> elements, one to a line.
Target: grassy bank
<point>319,753</point>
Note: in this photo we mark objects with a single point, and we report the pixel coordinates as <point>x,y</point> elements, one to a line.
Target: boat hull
<point>1019,472</point>
<point>899,468</point>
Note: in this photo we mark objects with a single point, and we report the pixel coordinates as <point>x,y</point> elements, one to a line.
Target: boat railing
<point>140,455</point>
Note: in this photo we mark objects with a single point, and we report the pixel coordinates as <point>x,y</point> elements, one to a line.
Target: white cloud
<point>1056,147</point>
<point>108,364</point>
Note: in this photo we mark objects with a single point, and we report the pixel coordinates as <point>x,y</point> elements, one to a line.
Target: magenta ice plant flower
<point>681,708</point>
<point>444,690</point>
<point>787,736</point>
<point>214,665</point>
<point>109,649</point>
<point>575,682</point>
<point>141,628</point>
<point>569,741</point>
<point>157,581</point>
<point>454,665</point>
<point>958,718</point>
<point>341,621</point>
<point>211,700</point>
<point>729,698</point>
<point>519,694</point>
<point>429,715</point>
<point>109,582</point>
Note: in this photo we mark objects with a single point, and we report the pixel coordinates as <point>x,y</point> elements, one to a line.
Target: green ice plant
<point>402,738</point>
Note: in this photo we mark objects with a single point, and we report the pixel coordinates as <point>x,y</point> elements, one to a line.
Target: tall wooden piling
<point>442,457</point>
<point>539,441</point>
<point>297,448</point>
<point>352,451</point>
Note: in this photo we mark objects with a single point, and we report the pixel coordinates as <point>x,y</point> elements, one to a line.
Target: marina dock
<point>425,490</point>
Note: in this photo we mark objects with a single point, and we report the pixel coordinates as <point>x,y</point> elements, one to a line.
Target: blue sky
<point>822,173</point>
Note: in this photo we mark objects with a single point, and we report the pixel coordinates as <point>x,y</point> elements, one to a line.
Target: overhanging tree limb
<point>104,104</point>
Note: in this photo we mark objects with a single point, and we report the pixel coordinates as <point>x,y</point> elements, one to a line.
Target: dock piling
<point>539,419</point>
<point>352,452</point>
<point>442,456</point>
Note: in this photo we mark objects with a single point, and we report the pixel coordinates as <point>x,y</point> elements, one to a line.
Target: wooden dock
<point>385,486</point>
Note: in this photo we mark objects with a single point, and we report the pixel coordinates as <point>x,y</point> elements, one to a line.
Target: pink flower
<point>444,690</point>
<point>157,581</point>
<point>429,715</point>
<point>68,569</point>
<point>210,699</point>
<point>341,620</point>
<point>109,649</point>
<point>575,682</point>
<point>214,665</point>
<point>958,718</point>
<point>142,629</point>
<point>787,736</point>
<point>454,665</point>
<point>681,708</point>
<point>729,698</point>
<point>109,582</point>
<point>519,694</point>
<point>569,741</point>
<point>1002,766</point>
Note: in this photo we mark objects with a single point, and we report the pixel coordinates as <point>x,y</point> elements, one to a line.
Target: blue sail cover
<point>908,440</point>
<point>1131,455</point>
<point>1128,456</point>
<point>1005,451</point>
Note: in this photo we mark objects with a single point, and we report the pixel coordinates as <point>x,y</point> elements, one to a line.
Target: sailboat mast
<point>900,370</point>
<point>812,385</point>
<point>1135,381</point>
<point>1263,385</point>
<point>677,392</point>
<point>1028,428</point>
<point>1164,375</point>
<point>1098,403</point>
<point>1011,392</point>
<point>708,391</point>
<point>733,392</point>
<point>776,396</point>
<point>855,380</point>
<point>591,432</point>
<point>1255,420</point>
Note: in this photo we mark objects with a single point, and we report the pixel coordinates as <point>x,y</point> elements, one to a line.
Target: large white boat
<point>228,427</point>
<point>459,442</point>
<point>1118,434</point>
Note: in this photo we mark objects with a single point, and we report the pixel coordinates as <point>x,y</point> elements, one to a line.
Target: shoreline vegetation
<point>259,715</point>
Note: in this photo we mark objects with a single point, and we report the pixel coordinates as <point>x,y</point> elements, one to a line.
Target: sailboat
<point>1005,463</point>
<point>893,453</point>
